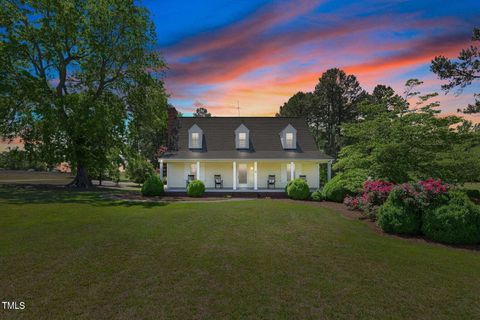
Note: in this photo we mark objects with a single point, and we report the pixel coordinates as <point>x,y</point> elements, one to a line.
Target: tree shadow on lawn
<point>45,194</point>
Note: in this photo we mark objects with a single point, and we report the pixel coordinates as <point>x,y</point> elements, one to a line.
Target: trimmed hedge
<point>344,183</point>
<point>395,218</point>
<point>153,186</point>
<point>473,194</point>
<point>298,189</point>
<point>196,188</point>
<point>317,195</point>
<point>457,222</point>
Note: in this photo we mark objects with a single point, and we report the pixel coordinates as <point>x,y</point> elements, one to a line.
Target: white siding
<point>177,173</point>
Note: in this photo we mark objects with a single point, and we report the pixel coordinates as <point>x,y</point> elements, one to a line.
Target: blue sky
<point>259,53</point>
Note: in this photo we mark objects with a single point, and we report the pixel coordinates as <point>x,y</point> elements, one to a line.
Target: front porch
<point>242,176</point>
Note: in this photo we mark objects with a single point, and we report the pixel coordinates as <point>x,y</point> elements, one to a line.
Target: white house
<point>240,153</point>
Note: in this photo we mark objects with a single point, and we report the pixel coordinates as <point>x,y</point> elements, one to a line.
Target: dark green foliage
<point>139,169</point>
<point>402,212</point>
<point>457,222</point>
<point>462,71</point>
<point>349,182</point>
<point>153,186</point>
<point>196,188</point>
<point>201,112</point>
<point>15,159</point>
<point>298,189</point>
<point>78,79</point>
<point>396,218</point>
<point>408,145</point>
<point>317,196</point>
<point>334,102</point>
<point>473,194</point>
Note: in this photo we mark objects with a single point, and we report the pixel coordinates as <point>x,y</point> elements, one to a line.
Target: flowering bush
<point>407,204</point>
<point>434,186</point>
<point>421,195</point>
<point>374,194</point>
<point>416,196</point>
<point>352,203</point>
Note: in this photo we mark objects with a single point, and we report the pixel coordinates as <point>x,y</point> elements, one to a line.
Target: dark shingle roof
<point>264,132</point>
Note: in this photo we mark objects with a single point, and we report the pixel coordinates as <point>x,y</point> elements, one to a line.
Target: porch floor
<point>224,190</point>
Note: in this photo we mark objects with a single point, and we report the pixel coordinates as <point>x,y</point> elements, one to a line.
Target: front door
<point>242,175</point>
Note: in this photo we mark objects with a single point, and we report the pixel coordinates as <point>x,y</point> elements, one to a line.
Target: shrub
<point>288,185</point>
<point>298,189</point>
<point>473,194</point>
<point>196,188</point>
<point>139,169</point>
<point>375,193</point>
<point>398,218</point>
<point>348,182</point>
<point>153,186</point>
<point>317,195</point>
<point>406,203</point>
<point>352,203</point>
<point>457,222</point>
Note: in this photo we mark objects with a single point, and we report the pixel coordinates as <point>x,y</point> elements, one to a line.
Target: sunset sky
<point>259,53</point>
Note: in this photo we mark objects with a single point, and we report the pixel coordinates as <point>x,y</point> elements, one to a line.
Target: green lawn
<point>73,255</point>
<point>34,177</point>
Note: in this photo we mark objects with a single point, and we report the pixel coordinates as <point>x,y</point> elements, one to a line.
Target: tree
<point>335,102</point>
<point>73,74</point>
<point>403,145</point>
<point>147,132</point>
<point>201,111</point>
<point>461,72</point>
<point>297,106</point>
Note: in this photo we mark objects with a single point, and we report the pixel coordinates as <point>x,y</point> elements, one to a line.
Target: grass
<point>472,185</point>
<point>71,255</point>
<point>34,177</point>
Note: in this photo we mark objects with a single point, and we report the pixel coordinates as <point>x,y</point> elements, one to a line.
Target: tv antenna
<point>238,107</point>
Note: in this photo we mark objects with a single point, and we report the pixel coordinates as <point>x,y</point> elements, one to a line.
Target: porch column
<point>255,183</point>
<point>198,170</point>
<point>234,175</point>
<point>161,169</point>
<point>329,170</point>
<point>292,170</point>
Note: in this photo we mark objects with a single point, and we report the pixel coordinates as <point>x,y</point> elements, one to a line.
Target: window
<point>288,137</point>
<point>241,137</point>
<point>289,140</point>
<point>242,140</point>
<point>195,140</point>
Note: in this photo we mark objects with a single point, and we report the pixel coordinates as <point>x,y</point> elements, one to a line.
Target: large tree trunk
<point>81,179</point>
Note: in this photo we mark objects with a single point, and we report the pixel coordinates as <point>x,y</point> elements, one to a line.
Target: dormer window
<point>288,137</point>
<point>289,140</point>
<point>242,139</point>
<point>195,136</point>
<point>195,140</point>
